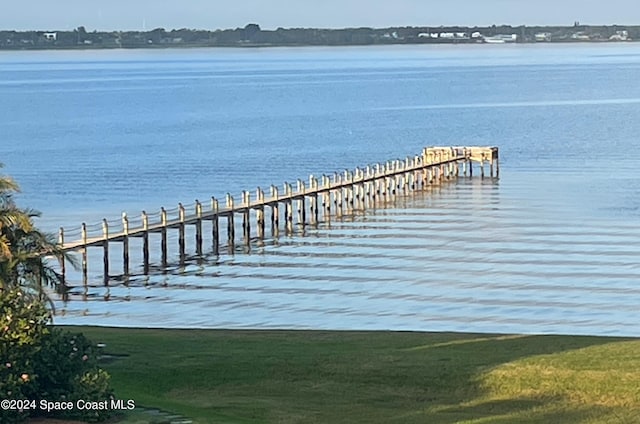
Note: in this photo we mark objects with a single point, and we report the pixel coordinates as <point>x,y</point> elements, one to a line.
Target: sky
<point>271,14</point>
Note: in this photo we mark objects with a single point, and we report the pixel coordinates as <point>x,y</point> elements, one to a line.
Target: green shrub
<point>22,327</point>
<point>66,370</point>
<point>62,357</point>
<point>42,363</point>
<point>93,386</point>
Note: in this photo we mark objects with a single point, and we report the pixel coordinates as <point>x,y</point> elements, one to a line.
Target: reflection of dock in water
<point>337,194</point>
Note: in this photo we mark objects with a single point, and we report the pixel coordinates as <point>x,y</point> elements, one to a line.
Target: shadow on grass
<point>319,376</point>
<point>521,410</point>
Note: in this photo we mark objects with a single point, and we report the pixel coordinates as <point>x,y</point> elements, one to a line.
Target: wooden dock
<point>319,198</point>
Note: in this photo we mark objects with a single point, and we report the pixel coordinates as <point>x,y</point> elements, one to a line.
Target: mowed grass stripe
<point>221,376</point>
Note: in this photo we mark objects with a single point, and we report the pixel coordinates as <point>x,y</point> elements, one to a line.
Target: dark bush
<point>43,363</point>
<point>22,327</point>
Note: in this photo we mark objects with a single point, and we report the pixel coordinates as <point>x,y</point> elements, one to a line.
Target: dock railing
<point>326,195</point>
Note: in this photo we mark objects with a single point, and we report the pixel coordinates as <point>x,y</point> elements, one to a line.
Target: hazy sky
<point>270,14</point>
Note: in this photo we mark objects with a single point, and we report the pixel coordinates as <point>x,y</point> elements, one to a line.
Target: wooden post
<point>105,257</point>
<point>444,155</point>
<point>482,167</point>
<point>215,229</point>
<point>357,178</point>
<point>470,162</point>
<point>84,254</point>
<point>346,196</point>
<point>231,229</point>
<point>491,166</point>
<point>355,194</point>
<point>323,195</point>
<point>313,184</point>
<point>198,228</point>
<point>366,193</point>
<point>326,196</point>
<point>407,182</point>
<point>63,271</point>
<point>246,221</point>
<point>303,203</point>
<point>397,182</point>
<point>385,185</point>
<point>337,195</point>
<point>275,213</point>
<point>363,194</point>
<point>376,190</point>
<point>181,226</point>
<point>337,201</point>
<point>350,191</point>
<point>447,167</point>
<point>145,243</point>
<point>497,160</point>
<point>163,233</point>
<point>273,204</point>
<point>289,208</point>
<point>260,212</point>
<point>302,212</point>
<point>125,244</point>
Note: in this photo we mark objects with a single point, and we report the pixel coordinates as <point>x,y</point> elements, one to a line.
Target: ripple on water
<point>464,257</point>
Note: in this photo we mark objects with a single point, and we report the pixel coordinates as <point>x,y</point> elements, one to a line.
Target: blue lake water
<point>552,247</point>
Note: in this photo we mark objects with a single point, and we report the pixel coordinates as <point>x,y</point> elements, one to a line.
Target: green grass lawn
<point>215,376</point>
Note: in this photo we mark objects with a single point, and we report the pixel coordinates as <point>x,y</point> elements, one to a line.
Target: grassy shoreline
<point>255,376</point>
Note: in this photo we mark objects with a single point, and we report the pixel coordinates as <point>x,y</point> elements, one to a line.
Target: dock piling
<point>215,229</point>
<point>275,213</point>
<point>63,271</point>
<point>313,205</point>
<point>231,229</point>
<point>145,243</point>
<point>163,234</point>
<point>105,256</point>
<point>181,231</point>
<point>125,244</point>
<point>288,204</point>
<point>302,208</point>
<point>260,212</point>
<point>83,235</point>
<point>198,228</point>
<point>246,221</point>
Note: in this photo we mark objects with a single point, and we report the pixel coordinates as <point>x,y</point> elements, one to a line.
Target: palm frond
<point>8,184</point>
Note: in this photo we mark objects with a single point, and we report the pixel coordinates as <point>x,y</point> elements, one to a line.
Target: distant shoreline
<point>253,36</point>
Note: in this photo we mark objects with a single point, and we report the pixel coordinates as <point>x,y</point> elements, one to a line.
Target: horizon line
<point>580,24</point>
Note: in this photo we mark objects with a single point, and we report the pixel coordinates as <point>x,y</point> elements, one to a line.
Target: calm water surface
<point>552,247</point>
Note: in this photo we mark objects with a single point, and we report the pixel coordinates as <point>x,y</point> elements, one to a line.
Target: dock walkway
<point>327,195</point>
